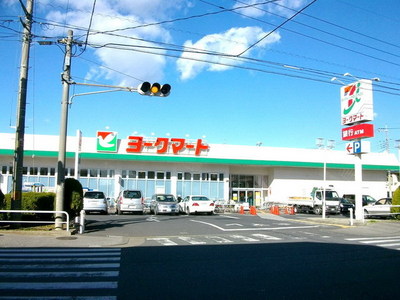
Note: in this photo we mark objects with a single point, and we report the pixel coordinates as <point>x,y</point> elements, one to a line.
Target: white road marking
<point>255,229</point>
<point>234,224</point>
<point>163,241</point>
<point>191,240</point>
<point>266,237</point>
<point>219,239</point>
<point>244,238</point>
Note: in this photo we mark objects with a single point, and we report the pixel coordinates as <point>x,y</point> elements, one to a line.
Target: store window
<point>160,175</point>
<point>188,176</point>
<point>44,171</point>
<point>142,175</point>
<point>4,170</point>
<point>103,173</point>
<point>214,177</point>
<point>52,171</point>
<point>196,176</point>
<point>151,174</point>
<point>83,173</point>
<point>132,174</point>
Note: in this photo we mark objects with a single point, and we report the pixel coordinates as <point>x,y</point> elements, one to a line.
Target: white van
<point>130,201</point>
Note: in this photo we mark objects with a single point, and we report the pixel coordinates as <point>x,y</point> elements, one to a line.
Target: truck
<point>314,202</point>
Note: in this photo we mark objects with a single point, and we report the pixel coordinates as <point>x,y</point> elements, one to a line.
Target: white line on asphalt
<point>218,239</point>
<point>243,238</point>
<point>77,259</point>
<point>63,250</point>
<point>37,254</point>
<point>58,285</point>
<point>58,266</point>
<point>191,240</point>
<point>255,229</point>
<point>372,238</point>
<point>58,274</point>
<point>380,241</point>
<point>265,236</point>
<point>163,241</point>
<point>234,224</point>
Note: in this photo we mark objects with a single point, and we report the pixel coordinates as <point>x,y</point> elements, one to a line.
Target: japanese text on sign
<point>137,144</point>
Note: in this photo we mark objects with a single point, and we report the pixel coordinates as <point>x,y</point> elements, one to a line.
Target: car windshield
<point>165,198</point>
<point>94,195</point>
<point>331,195</point>
<point>200,198</point>
<point>346,201</point>
<point>132,194</point>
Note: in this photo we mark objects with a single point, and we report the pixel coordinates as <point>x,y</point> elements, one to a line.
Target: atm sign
<point>359,131</point>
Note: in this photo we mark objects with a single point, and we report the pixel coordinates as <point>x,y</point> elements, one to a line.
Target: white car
<point>95,201</point>
<point>196,204</point>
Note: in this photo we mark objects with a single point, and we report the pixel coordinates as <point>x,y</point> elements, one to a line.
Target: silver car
<point>130,201</point>
<point>380,208</point>
<point>95,201</point>
<point>164,204</point>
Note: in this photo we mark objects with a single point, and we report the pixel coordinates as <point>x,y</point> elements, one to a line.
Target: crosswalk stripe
<point>191,240</point>
<point>163,241</point>
<point>49,269</point>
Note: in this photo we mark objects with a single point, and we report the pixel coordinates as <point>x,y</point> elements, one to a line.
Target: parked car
<point>164,204</point>
<point>380,208</point>
<point>345,205</point>
<point>197,204</point>
<point>95,201</point>
<point>366,199</point>
<point>130,201</point>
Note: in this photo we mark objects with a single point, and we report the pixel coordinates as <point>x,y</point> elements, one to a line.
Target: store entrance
<point>244,196</point>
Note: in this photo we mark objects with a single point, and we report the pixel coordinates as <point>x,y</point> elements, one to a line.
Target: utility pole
<point>18,163</point>
<point>66,81</point>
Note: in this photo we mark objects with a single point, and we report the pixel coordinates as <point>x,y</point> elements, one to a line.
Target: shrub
<point>73,197</point>
<point>396,201</point>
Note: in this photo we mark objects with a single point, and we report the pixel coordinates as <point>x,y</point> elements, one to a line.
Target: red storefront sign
<point>136,144</point>
<point>359,131</point>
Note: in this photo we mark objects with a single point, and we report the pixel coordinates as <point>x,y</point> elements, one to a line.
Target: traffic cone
<point>241,210</point>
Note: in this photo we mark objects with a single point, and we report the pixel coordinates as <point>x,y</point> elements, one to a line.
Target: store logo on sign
<point>349,92</point>
<point>356,102</point>
<point>107,141</point>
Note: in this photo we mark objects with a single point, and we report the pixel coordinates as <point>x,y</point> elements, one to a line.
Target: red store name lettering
<point>136,144</point>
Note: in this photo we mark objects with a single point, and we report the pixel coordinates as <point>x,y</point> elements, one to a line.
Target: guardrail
<point>36,212</point>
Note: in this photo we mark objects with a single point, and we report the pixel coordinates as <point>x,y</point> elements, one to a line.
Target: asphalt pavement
<point>24,238</point>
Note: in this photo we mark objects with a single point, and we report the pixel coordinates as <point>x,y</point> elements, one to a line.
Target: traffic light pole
<point>66,81</point>
<point>16,197</point>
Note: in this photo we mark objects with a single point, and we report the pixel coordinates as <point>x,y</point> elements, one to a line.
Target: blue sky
<point>263,82</point>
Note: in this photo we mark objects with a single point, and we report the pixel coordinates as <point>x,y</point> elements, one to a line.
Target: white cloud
<point>113,15</point>
<point>277,7</point>
<point>231,42</point>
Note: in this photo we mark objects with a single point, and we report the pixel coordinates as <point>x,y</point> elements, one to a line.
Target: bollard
<point>82,222</point>
<point>351,216</point>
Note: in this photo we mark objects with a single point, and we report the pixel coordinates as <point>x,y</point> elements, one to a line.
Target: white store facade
<point>182,167</point>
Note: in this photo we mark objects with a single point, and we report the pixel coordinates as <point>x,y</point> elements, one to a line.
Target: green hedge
<point>31,201</point>
<point>73,202</point>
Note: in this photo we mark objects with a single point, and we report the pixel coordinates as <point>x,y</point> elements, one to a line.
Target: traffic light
<point>155,89</point>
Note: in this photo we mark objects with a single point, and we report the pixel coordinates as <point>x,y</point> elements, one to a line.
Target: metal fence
<point>37,212</point>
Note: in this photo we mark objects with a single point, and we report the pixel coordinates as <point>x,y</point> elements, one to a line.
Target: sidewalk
<point>41,239</point>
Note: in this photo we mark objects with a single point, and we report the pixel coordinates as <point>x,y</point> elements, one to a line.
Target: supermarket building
<point>182,167</point>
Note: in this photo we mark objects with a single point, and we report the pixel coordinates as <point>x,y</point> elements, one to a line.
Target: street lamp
<point>330,144</point>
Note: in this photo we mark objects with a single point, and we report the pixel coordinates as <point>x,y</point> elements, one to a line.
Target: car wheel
<point>187,211</point>
<point>210,213</point>
<point>317,210</point>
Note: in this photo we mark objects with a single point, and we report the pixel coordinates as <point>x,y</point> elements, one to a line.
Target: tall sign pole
<point>66,81</point>
<point>357,108</point>
<point>18,163</point>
